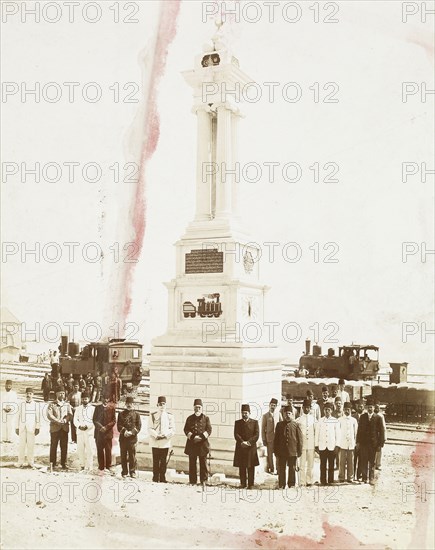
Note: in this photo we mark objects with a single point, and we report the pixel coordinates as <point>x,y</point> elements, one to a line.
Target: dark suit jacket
<point>104,417</point>
<point>292,446</point>
<point>130,421</point>
<point>197,425</point>
<point>370,433</point>
<point>249,431</point>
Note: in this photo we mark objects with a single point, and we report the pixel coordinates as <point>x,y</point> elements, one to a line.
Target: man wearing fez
<point>348,429</point>
<point>59,413</point>
<point>197,429</point>
<point>129,425</point>
<point>246,434</point>
<point>29,420</point>
<point>268,425</point>
<point>161,428</point>
<point>370,439</point>
<point>327,441</point>
<point>287,447</point>
<point>325,399</point>
<point>104,421</point>
<point>308,425</point>
<point>84,424</point>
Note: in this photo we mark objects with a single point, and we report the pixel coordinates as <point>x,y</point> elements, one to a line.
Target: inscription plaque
<point>204,261</point>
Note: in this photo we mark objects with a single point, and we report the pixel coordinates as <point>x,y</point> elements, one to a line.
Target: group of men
<point>94,385</point>
<point>350,441</point>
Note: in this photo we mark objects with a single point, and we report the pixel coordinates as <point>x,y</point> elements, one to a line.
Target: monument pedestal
<point>223,377</point>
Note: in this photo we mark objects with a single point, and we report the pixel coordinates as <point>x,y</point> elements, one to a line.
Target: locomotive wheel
<point>193,314</point>
<point>186,315</point>
<point>319,373</point>
<point>216,314</point>
<point>202,315</point>
<point>209,314</point>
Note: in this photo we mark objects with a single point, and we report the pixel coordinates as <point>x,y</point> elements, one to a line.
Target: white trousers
<point>85,449</point>
<point>26,446</point>
<point>8,426</point>
<point>306,463</point>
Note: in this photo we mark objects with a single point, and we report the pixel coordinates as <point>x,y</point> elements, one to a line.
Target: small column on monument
<point>236,179</point>
<point>224,160</point>
<point>204,167</point>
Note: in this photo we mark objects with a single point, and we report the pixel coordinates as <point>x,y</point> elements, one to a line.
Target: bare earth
<point>73,510</point>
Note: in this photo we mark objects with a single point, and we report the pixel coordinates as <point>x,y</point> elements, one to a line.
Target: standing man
<point>161,427</point>
<point>104,421</point>
<point>59,414</point>
<point>378,456</point>
<point>308,425</point>
<point>287,447</point>
<point>338,408</point>
<point>246,434</point>
<point>370,439</point>
<point>342,393</point>
<point>348,429</point>
<point>74,399</point>
<point>327,440</point>
<point>325,399</point>
<point>268,425</point>
<point>314,407</point>
<point>129,425</point>
<point>290,404</point>
<point>46,387</point>
<point>84,425</point>
<point>29,421</point>
<point>356,455</point>
<point>98,386</point>
<point>9,402</point>
<point>54,362</point>
<point>197,429</point>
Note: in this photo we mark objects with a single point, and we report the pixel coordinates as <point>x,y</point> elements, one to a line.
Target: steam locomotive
<point>104,358</point>
<point>209,308</point>
<point>352,363</point>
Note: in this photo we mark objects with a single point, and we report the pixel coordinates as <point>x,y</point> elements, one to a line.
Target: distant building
<point>11,343</point>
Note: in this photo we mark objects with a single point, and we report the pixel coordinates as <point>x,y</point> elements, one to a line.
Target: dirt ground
<point>73,510</point>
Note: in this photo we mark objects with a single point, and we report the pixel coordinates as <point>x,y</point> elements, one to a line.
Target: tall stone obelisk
<point>216,346</point>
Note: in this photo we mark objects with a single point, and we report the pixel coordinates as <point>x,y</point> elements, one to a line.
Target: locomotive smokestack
<point>64,345</point>
<point>307,346</point>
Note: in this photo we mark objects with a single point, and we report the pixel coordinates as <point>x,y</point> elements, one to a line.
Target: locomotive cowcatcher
<point>354,362</point>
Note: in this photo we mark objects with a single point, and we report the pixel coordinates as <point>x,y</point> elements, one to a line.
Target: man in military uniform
<point>197,429</point>
<point>246,434</point>
<point>161,428</point>
<point>287,447</point>
<point>129,425</point>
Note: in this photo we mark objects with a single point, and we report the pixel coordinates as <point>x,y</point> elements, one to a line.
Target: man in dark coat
<point>246,434</point>
<point>197,429</point>
<point>104,421</point>
<point>287,447</point>
<point>369,438</point>
<point>129,425</point>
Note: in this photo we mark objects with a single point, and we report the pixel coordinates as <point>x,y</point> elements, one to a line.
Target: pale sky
<point>368,55</point>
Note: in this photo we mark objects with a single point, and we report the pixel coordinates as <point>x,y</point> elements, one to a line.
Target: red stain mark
<point>422,460</point>
<point>167,28</point>
<point>334,537</point>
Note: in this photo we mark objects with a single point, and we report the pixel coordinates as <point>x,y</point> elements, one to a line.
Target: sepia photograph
<point>217,265</point>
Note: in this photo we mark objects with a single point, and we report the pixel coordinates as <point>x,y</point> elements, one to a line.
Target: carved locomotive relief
<point>208,306</point>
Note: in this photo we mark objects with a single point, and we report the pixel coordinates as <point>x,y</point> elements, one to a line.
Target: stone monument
<point>216,346</point>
